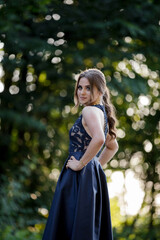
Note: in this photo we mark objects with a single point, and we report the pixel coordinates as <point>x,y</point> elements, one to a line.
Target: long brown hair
<point>96,78</point>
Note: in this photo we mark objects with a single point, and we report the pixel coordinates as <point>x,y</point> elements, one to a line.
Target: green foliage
<point>10,234</point>
<point>43,43</point>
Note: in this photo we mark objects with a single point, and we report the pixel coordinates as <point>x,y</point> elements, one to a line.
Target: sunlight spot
<point>136,159</point>
<point>60,34</point>
<point>153,74</point>
<point>58,152</point>
<point>127,195</point>
<point>12,56</point>
<point>56,16</point>
<point>114,92</point>
<point>136,118</point>
<point>1,87</point>
<point>131,75</point>
<point>144,70</point>
<point>1,45</point>
<point>56,60</point>
<point>48,17</point>
<point>16,74</point>
<point>29,107</point>
<point>120,133</point>
<point>115,187</point>
<point>133,189</point>
<point>114,163</point>
<point>29,77</point>
<point>126,71</point>
<point>115,42</point>
<point>157,141</point>
<point>99,65</point>
<point>13,89</point>
<point>31,87</point>
<point>157,200</point>
<point>147,145</point>
<point>40,54</point>
<point>157,186</point>
<point>145,111</point>
<point>123,163</point>
<point>108,78</point>
<point>43,211</point>
<point>152,112</point>
<point>68,2</point>
<point>128,98</point>
<point>54,175</point>
<point>136,125</point>
<point>50,41</point>
<point>144,100</point>
<point>135,66</point>
<point>119,100</point>
<point>139,169</point>
<point>67,109</point>
<point>157,85</point>
<point>122,65</point>
<point>142,124</point>
<point>140,57</point>
<point>59,42</point>
<point>151,83</point>
<point>130,111</point>
<point>1,55</point>
<point>33,196</point>
<point>117,75</point>
<point>124,49</point>
<point>58,52</point>
<point>50,132</point>
<point>128,39</point>
<point>121,155</point>
<point>157,169</point>
<point>46,153</point>
<point>108,172</point>
<point>155,92</point>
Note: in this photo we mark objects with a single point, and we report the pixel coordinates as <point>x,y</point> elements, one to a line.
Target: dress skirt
<point>80,209</point>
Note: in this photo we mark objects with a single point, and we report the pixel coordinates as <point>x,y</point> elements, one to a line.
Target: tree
<point>43,45</point>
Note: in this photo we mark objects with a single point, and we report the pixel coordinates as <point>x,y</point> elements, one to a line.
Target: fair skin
<point>93,122</point>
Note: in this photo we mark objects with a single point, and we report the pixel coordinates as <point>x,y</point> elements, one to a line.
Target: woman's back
<point>79,137</point>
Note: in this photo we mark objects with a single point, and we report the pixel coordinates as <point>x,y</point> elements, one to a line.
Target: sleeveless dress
<point>80,209</point>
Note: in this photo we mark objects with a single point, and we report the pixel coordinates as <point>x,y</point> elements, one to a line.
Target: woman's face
<point>84,92</point>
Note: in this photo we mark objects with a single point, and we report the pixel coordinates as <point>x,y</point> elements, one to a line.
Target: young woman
<point>80,209</point>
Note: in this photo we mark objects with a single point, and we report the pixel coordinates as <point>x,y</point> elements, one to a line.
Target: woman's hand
<point>74,164</point>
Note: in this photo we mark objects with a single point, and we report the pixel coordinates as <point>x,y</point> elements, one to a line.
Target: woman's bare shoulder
<point>90,109</point>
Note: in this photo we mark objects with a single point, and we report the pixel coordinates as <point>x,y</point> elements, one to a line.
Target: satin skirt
<point>80,209</point>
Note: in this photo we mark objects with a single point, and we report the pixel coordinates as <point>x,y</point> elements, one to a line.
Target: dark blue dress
<point>80,209</point>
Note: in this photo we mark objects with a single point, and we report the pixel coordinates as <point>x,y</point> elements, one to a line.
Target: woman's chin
<point>83,103</point>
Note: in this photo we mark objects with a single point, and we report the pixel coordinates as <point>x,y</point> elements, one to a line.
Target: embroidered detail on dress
<point>79,138</point>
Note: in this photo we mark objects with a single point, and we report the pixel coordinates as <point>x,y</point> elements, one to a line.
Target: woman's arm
<point>109,151</point>
<point>92,117</point>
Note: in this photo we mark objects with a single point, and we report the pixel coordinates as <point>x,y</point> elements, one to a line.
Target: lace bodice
<point>79,138</point>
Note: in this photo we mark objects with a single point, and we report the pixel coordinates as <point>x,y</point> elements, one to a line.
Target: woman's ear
<point>100,95</point>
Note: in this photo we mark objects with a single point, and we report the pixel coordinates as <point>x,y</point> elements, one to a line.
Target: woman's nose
<point>83,91</point>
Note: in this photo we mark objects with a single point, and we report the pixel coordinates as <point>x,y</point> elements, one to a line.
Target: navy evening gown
<point>80,209</point>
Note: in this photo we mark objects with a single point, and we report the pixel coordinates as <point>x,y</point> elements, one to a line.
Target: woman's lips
<point>83,98</point>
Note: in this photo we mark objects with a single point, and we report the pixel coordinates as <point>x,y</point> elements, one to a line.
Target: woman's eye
<point>79,88</point>
<point>88,88</point>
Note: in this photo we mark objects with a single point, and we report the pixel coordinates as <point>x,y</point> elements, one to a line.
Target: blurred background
<point>43,46</point>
